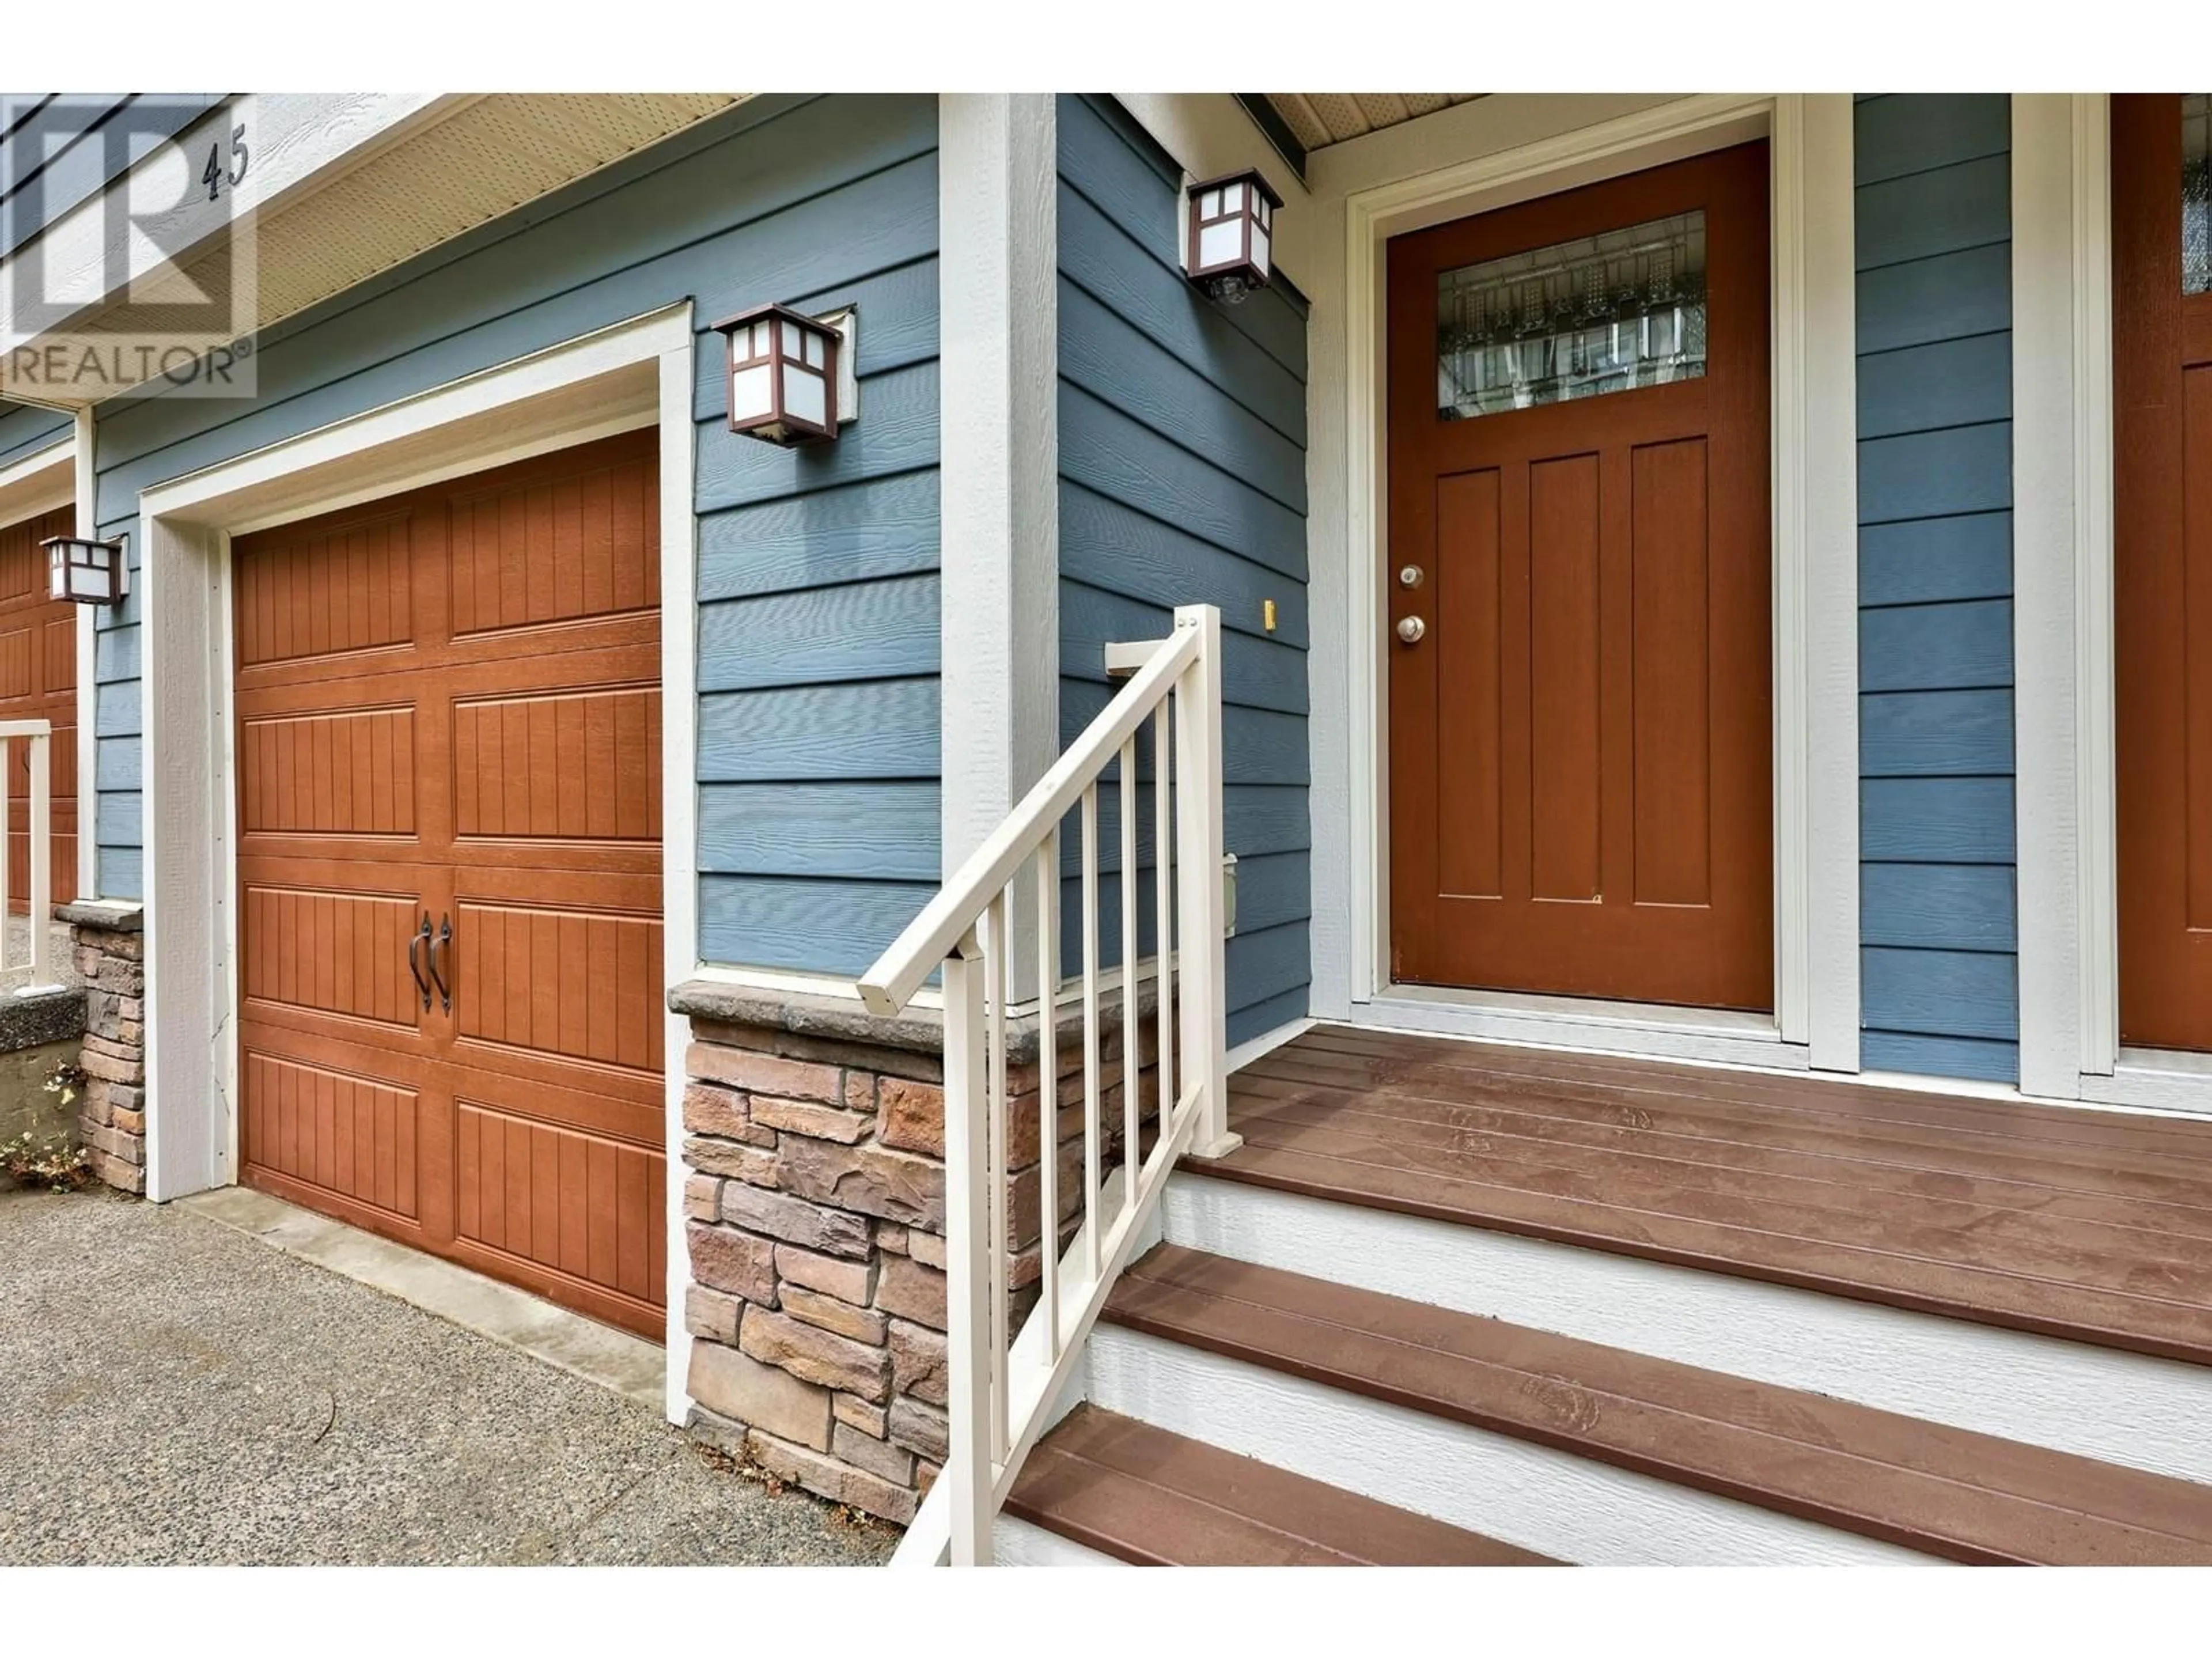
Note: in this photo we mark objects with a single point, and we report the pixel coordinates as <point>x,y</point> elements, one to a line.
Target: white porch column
<point>1814,134</point>
<point>87,484</point>
<point>2062,590</point>
<point>999,426</point>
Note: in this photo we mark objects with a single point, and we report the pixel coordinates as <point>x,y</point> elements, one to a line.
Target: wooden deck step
<point>1945,1492</point>
<point>2093,1226</point>
<point>1152,1498</point>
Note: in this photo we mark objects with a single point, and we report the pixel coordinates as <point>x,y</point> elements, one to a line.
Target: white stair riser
<point>1018,1544</point>
<point>1570,1508</point>
<point>2124,1408</point>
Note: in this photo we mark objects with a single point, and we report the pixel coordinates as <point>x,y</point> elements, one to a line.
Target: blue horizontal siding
<point>1938,894</point>
<point>858,532</point>
<point>808,926</point>
<point>1900,135</point>
<point>1919,560</point>
<point>1940,820</point>
<point>1934,993</point>
<point>1943,383</point>
<point>1937,907</point>
<point>817,626</point>
<point>1936,647</point>
<point>1929,475</point>
<point>25,430</point>
<point>843,829</point>
<point>1940,1056</point>
<point>873,729</point>
<point>877,630</point>
<point>1183,465</point>
<point>1108,547</point>
<point>1946,298</point>
<point>1944,209</point>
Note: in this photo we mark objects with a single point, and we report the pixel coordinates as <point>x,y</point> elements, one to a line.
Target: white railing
<point>38,736</point>
<point>1001,1386</point>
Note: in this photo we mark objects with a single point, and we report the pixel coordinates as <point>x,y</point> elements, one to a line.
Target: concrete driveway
<point>176,1391</point>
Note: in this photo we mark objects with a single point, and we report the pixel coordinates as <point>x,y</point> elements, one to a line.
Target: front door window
<point>2196,192</point>
<point>1609,312</point>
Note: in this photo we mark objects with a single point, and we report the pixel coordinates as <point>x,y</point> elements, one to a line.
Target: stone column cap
<point>847,1019</point>
<point>112,915</point>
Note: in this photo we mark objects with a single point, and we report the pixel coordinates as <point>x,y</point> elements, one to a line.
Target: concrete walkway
<point>174,1390</point>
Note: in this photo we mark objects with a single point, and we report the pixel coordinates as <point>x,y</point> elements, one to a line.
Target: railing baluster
<point>1133,1027</point>
<point>7,849</point>
<point>41,828</point>
<point>1048,884</point>
<point>1164,879</point>
<point>967,1242</point>
<point>998,949</point>
<point>1093,1128</point>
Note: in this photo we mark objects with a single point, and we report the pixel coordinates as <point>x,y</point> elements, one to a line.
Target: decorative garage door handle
<point>414,963</point>
<point>445,942</point>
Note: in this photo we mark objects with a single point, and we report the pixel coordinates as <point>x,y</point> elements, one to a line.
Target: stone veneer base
<point>111,959</point>
<point>814,1205</point>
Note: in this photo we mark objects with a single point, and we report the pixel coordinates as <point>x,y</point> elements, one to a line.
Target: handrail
<point>1002,1383</point>
<point>903,970</point>
<point>38,734</point>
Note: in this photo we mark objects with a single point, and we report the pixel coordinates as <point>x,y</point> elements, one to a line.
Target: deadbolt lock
<point>1409,575</point>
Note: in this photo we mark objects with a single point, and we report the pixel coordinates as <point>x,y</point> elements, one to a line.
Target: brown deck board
<point>1965,1496</point>
<point>1987,1146</point>
<point>2113,1255</point>
<point>1858,1103</point>
<point>2095,1230</point>
<point>1153,1498</point>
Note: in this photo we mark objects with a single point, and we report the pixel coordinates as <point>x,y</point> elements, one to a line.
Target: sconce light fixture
<point>791,377</point>
<point>1232,228</point>
<point>88,572</point>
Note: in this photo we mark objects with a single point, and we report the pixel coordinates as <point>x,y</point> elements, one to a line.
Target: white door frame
<point>2062,555</point>
<point>1550,144</point>
<point>634,374</point>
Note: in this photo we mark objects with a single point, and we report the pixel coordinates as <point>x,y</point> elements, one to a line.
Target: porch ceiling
<point>1322,118</point>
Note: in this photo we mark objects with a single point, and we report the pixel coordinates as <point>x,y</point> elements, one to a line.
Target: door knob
<point>1411,629</point>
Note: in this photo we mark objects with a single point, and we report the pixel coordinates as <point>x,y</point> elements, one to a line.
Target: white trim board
<point>998,287</point>
<point>634,374</point>
<point>1710,1035</point>
<point>2125,1408</point>
<point>2063,640</point>
<point>39,481</point>
<point>1486,154</point>
<point>85,488</point>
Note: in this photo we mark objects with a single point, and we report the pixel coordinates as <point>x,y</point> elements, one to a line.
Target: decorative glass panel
<point>1609,312</point>
<point>803,396</point>
<point>2196,192</point>
<point>751,393</point>
<point>1221,244</point>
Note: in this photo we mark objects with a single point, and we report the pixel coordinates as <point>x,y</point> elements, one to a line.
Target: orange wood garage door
<point>1580,733</point>
<point>38,681</point>
<point>449,710</point>
<point>2162,586</point>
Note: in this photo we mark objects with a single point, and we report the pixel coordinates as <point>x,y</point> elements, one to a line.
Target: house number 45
<point>216,173</point>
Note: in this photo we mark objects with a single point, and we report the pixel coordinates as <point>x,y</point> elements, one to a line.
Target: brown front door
<point>38,681</point>
<point>449,707</point>
<point>1580,729</point>
<point>2162,568</point>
